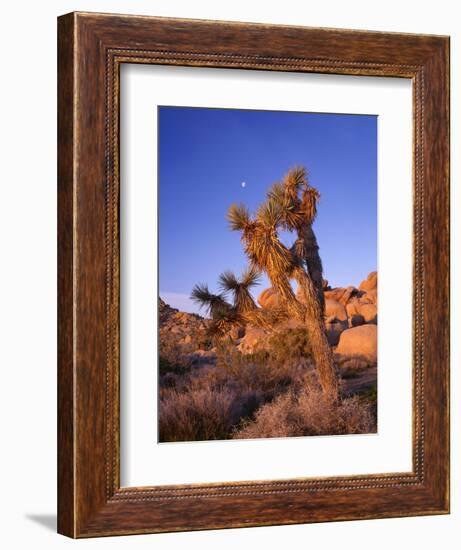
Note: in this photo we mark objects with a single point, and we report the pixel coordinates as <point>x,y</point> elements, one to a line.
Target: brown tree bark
<point>313,261</point>
<point>313,318</point>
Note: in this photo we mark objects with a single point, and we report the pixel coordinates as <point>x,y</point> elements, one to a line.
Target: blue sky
<point>206,154</point>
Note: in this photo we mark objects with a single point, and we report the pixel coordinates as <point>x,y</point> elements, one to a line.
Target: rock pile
<point>351,316</point>
<point>183,336</point>
<point>346,310</point>
<point>361,340</point>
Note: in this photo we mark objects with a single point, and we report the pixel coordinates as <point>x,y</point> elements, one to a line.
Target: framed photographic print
<point>233,199</point>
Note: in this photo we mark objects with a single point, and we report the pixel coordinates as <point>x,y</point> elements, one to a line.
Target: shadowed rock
<point>333,331</point>
<point>335,309</point>
<point>369,312</point>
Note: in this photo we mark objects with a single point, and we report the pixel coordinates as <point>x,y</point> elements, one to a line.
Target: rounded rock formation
<point>269,299</point>
<point>352,307</point>
<point>342,295</point>
<point>369,312</point>
<point>335,309</point>
<point>360,340</point>
<point>370,283</point>
<point>253,338</point>
<point>369,297</point>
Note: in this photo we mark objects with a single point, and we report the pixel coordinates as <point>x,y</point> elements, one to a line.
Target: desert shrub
<point>289,346</point>
<point>203,414</point>
<point>309,412</point>
<point>165,366</point>
<point>258,371</point>
<point>204,341</point>
<point>170,354</point>
<point>351,366</point>
<point>370,396</point>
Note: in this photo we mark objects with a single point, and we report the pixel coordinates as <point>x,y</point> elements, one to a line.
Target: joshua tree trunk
<point>313,317</point>
<point>285,291</point>
<point>313,261</point>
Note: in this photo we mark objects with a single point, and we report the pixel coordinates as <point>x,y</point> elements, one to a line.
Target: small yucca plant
<point>214,305</point>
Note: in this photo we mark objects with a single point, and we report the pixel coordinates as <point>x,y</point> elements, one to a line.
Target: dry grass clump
<point>351,366</point>
<point>309,412</point>
<point>172,357</point>
<point>271,370</point>
<point>203,414</point>
<point>289,346</point>
<point>167,367</point>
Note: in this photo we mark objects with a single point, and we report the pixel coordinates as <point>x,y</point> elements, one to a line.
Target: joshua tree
<point>291,205</point>
<point>240,289</point>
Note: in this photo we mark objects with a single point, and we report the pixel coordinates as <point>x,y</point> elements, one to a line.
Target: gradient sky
<point>206,154</point>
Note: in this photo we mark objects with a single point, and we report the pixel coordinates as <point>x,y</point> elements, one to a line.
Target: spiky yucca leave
<point>266,252</point>
<point>270,214</point>
<point>251,276</point>
<point>299,251</point>
<point>260,238</point>
<point>224,321</point>
<point>228,281</point>
<point>214,304</point>
<point>308,208</point>
<point>243,301</point>
<point>277,192</point>
<point>300,209</point>
<point>262,245</point>
<point>288,205</point>
<point>294,181</point>
<point>239,217</point>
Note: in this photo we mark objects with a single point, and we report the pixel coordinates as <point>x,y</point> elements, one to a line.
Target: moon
<point>244,184</point>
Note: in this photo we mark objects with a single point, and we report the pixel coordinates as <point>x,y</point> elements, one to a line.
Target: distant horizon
<point>211,158</point>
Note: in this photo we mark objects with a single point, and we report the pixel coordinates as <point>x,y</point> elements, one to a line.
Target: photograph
<point>267,274</point>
